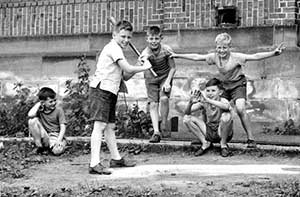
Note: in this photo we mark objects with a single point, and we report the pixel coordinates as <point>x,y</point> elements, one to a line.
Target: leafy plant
<point>76,101</point>
<point>288,128</point>
<point>13,111</point>
<point>132,122</point>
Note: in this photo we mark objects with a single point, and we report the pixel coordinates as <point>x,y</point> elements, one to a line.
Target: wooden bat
<point>113,21</point>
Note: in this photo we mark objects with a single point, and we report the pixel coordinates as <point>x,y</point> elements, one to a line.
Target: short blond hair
<point>224,38</point>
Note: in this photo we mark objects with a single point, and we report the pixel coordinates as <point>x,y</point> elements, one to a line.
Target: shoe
<point>99,169</point>
<point>202,151</point>
<point>41,150</point>
<point>155,138</point>
<point>251,144</point>
<point>225,152</point>
<point>121,163</point>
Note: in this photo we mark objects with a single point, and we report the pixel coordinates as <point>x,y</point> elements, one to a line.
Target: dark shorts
<point>102,105</point>
<point>212,134</point>
<point>235,90</point>
<point>154,87</point>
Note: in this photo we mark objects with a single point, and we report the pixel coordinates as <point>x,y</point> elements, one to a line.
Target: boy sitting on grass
<point>47,123</point>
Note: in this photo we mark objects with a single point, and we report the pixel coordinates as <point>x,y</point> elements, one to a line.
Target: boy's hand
<point>195,96</point>
<point>279,49</point>
<point>147,64</point>
<point>166,87</point>
<point>203,97</point>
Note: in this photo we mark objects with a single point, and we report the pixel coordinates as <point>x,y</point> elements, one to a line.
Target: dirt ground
<point>158,173</point>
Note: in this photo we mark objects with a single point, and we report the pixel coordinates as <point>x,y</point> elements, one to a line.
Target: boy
<point>158,88</point>
<point>216,124</point>
<point>47,123</point>
<point>105,85</point>
<point>234,81</point>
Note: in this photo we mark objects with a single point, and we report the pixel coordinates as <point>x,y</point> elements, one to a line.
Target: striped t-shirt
<point>159,61</point>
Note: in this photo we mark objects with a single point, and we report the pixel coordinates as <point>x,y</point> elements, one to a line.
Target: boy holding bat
<point>104,88</point>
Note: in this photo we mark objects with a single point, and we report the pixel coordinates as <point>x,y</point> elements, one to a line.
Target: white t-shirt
<point>108,72</point>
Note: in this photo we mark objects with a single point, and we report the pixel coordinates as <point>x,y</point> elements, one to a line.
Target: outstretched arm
<point>264,55</point>
<point>191,56</point>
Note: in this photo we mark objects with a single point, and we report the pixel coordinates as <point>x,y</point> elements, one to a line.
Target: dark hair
<point>214,82</point>
<point>46,93</point>
<point>123,24</point>
<point>153,30</point>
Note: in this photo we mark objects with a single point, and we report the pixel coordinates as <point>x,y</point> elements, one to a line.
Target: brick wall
<point>60,17</point>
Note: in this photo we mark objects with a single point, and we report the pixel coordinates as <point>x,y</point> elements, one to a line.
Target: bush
<point>13,112</point>
<point>75,103</point>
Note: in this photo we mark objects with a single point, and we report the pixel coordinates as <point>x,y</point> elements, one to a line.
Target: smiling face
<point>154,40</point>
<point>213,92</point>
<point>49,104</point>
<point>223,49</point>
<point>122,37</point>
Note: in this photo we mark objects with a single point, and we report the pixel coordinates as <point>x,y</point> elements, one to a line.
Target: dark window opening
<point>227,16</point>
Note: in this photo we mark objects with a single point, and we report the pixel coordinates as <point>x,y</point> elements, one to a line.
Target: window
<point>227,16</point>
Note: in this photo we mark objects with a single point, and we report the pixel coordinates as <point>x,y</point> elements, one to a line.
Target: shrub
<point>75,103</point>
<point>13,112</point>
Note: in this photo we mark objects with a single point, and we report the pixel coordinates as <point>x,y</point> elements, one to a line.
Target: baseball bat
<point>113,21</point>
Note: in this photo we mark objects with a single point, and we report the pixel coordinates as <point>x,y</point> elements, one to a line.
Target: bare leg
<point>164,111</point>
<point>38,133</point>
<point>96,139</point>
<point>241,111</point>
<point>225,128</point>
<point>154,116</point>
<point>198,128</point>
<point>111,141</point>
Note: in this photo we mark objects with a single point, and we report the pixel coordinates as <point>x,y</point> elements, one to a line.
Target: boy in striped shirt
<point>158,88</point>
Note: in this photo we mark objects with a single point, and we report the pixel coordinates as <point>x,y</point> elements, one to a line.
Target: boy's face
<point>49,104</point>
<point>154,41</point>
<point>223,49</point>
<point>122,37</point>
<point>213,92</point>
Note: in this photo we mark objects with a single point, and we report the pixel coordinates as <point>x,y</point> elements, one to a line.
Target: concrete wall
<point>41,46</point>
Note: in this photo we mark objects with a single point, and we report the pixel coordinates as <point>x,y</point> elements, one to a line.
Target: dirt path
<point>177,171</point>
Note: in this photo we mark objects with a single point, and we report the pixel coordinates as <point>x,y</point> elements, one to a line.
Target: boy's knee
<point>240,106</point>
<point>111,127</point>
<point>58,150</point>
<point>33,121</point>
<point>164,99</point>
<point>186,119</point>
<point>226,117</point>
<point>153,105</point>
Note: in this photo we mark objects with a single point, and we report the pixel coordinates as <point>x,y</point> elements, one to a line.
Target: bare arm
<point>263,55</point>
<point>167,83</point>
<point>33,111</point>
<point>222,103</point>
<point>61,132</point>
<point>191,56</point>
<point>127,76</point>
<point>125,66</point>
<point>172,70</point>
